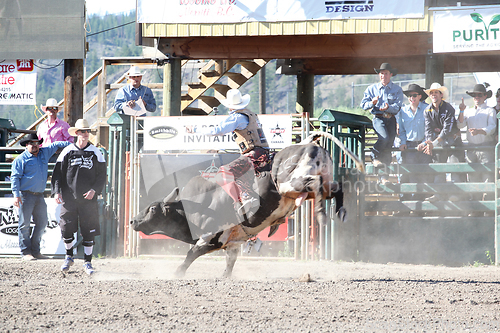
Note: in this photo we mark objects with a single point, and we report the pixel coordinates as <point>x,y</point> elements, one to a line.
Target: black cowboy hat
<point>480,88</point>
<point>415,88</point>
<point>29,138</point>
<point>388,67</point>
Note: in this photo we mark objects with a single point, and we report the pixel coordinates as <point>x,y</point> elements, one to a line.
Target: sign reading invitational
<point>18,82</point>
<point>462,30</point>
<point>169,133</point>
<point>233,11</point>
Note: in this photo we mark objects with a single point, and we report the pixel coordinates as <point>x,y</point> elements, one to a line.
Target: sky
<point>101,7</point>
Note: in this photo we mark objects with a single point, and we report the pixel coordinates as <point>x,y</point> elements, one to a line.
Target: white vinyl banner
<point>462,30</point>
<point>169,133</point>
<point>9,218</point>
<point>18,82</point>
<point>233,11</point>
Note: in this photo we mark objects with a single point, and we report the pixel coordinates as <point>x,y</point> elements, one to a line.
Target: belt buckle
<point>387,115</point>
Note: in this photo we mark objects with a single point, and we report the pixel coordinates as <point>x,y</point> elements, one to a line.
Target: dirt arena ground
<point>141,295</point>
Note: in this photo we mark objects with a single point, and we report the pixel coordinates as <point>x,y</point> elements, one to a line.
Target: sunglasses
<point>413,95</point>
<point>52,109</point>
<point>84,131</point>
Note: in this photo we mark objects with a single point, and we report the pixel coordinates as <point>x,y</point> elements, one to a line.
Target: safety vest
<point>252,136</point>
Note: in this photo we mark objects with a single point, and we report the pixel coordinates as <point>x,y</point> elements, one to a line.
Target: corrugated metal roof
<point>351,26</point>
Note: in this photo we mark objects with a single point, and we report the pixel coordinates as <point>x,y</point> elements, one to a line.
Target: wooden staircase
<point>215,79</point>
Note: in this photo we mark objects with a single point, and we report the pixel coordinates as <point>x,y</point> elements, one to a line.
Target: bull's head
<point>164,217</point>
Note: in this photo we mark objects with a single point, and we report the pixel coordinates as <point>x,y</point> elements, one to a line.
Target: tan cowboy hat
<point>51,103</point>
<point>81,124</point>
<point>388,67</point>
<point>437,86</point>
<point>134,71</point>
<point>480,88</point>
<point>235,101</point>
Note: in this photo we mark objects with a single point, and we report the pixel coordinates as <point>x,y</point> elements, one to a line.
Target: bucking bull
<point>202,214</point>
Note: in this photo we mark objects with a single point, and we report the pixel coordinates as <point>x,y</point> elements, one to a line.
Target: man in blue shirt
<point>385,100</point>
<point>133,92</point>
<point>411,125</point>
<point>29,177</point>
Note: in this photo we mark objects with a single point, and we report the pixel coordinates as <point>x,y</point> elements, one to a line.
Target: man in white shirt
<point>481,124</point>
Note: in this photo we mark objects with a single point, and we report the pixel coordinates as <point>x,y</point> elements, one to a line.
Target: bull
<point>202,214</point>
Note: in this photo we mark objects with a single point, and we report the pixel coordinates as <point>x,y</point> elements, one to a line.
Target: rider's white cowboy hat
<point>235,101</point>
<point>134,71</point>
<point>51,103</point>
<point>81,124</point>
<point>437,86</point>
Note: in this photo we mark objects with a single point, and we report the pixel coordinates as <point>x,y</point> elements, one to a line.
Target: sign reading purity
<point>463,30</point>
<point>169,133</point>
<point>18,82</point>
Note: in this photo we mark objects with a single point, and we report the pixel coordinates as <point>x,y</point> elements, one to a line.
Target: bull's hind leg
<point>202,247</point>
<point>231,256</point>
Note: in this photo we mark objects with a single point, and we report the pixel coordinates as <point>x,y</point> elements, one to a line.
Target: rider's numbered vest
<point>252,136</point>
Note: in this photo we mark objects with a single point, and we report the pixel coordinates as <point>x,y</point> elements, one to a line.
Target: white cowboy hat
<point>51,103</point>
<point>437,86</point>
<point>81,124</point>
<point>235,101</point>
<point>134,71</point>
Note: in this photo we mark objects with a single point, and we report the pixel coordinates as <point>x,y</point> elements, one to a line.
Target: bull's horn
<point>171,197</point>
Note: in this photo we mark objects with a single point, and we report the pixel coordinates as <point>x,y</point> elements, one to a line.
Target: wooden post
<point>262,90</point>
<point>434,69</point>
<point>305,93</point>
<point>73,90</point>
<point>172,88</point>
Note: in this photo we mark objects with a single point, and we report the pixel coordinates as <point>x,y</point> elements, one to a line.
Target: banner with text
<point>234,11</point>
<point>18,82</point>
<point>467,30</point>
<point>51,242</point>
<point>169,133</point>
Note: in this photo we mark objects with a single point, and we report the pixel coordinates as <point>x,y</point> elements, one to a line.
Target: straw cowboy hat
<point>235,101</point>
<point>437,86</point>
<point>134,71</point>
<point>415,88</point>
<point>388,67</point>
<point>29,138</point>
<point>51,103</point>
<point>480,88</point>
<point>81,124</point>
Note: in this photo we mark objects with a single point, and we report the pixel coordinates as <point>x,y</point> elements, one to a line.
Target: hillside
<point>105,40</point>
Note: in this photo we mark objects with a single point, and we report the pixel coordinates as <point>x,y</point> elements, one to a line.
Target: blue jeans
<point>386,131</point>
<point>33,205</point>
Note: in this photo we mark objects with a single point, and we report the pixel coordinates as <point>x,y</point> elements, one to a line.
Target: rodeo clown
<point>79,177</point>
<point>237,177</point>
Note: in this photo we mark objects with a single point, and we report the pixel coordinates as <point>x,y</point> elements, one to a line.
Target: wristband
<point>435,143</point>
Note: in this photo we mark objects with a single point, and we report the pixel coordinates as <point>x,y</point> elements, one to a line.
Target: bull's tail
<point>315,136</point>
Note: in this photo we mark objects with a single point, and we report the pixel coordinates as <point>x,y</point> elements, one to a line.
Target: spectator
<point>441,130</point>
<point>385,100</point>
<point>29,177</point>
<point>411,124</point>
<point>481,124</point>
<point>79,177</point>
<point>53,129</point>
<point>133,92</point>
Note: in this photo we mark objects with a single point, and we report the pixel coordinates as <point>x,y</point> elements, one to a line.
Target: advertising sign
<point>17,82</point>
<point>169,133</point>
<point>466,30</point>
<point>51,242</point>
<point>233,11</point>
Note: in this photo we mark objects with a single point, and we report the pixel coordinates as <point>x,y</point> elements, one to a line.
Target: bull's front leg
<point>231,256</point>
<point>201,248</point>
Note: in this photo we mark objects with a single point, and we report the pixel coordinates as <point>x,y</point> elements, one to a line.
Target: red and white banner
<point>233,11</point>
<point>169,133</point>
<point>17,82</point>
